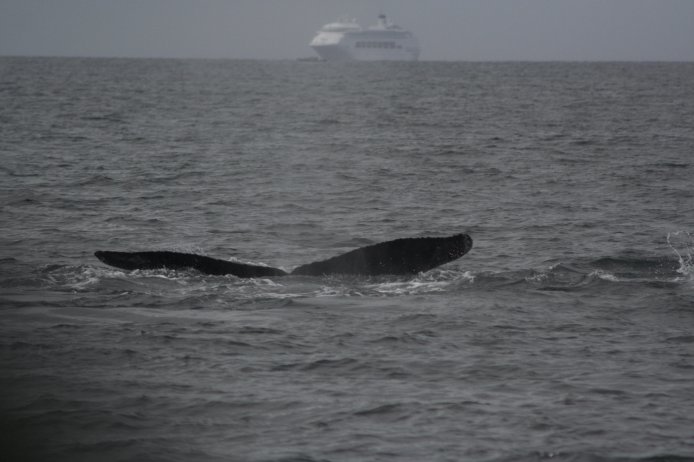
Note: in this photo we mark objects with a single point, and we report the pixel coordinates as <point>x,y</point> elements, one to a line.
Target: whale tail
<point>177,260</point>
<point>400,256</point>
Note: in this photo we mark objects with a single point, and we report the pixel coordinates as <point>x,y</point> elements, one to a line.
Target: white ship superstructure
<point>345,40</point>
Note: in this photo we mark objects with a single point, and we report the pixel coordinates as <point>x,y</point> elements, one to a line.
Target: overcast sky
<point>469,30</point>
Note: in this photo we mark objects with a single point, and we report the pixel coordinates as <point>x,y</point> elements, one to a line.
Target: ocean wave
<point>87,285</point>
<point>566,456</point>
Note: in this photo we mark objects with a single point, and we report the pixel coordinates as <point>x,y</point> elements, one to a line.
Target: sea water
<point>567,333</point>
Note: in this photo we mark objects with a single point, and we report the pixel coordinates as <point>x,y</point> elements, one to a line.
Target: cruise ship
<point>345,40</point>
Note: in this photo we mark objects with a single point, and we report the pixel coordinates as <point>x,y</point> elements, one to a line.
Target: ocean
<point>566,333</point>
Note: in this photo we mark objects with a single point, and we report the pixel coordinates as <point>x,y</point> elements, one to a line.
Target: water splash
<point>682,243</point>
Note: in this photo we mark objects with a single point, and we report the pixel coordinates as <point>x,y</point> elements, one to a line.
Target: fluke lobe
<point>400,256</point>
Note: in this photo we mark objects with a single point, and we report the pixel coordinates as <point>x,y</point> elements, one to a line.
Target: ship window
<point>370,44</point>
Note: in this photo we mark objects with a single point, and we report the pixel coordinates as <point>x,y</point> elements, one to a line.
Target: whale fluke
<point>177,260</point>
<point>400,256</point>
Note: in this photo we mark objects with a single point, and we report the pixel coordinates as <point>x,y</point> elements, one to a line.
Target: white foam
<point>682,243</point>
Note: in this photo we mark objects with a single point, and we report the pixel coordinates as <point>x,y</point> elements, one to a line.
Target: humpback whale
<point>400,256</point>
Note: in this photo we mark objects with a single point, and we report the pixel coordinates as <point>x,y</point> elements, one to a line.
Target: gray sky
<point>468,30</point>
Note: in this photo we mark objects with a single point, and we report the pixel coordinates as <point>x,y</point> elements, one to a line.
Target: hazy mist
<point>281,29</point>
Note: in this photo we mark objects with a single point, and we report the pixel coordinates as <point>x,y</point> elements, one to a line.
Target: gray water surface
<point>565,334</point>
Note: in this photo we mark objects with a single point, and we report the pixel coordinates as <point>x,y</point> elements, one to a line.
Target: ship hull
<point>342,52</point>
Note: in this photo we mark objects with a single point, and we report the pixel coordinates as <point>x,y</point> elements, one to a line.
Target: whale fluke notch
<point>400,256</point>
